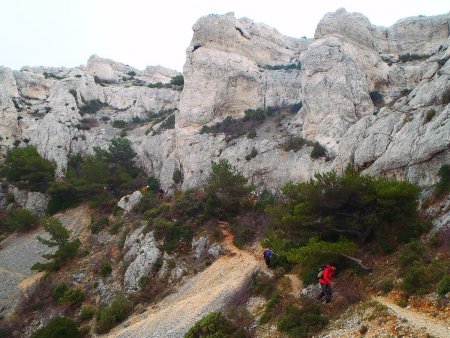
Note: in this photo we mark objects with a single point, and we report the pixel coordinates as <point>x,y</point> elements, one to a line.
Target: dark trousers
<point>326,291</point>
<point>267,260</point>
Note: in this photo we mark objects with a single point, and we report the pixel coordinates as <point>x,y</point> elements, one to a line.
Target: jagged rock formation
<point>236,64</point>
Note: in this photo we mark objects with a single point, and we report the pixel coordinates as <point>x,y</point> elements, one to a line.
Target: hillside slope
<point>199,295</point>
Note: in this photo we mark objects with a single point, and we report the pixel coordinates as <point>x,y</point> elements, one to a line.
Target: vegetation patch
<point>294,65</point>
<point>413,57</point>
<point>443,186</point>
<point>108,316</point>
<point>234,128</point>
<point>58,327</point>
<point>214,324</point>
<point>92,106</point>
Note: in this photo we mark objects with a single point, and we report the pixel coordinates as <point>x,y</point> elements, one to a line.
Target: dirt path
<point>199,295</point>
<point>20,251</point>
<point>296,285</point>
<point>433,327</point>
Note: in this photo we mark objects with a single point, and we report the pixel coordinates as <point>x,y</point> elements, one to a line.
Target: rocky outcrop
<point>417,35</point>
<point>128,202</point>
<point>142,253</point>
<point>374,97</point>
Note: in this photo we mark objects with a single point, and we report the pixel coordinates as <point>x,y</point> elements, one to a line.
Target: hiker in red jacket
<point>326,283</point>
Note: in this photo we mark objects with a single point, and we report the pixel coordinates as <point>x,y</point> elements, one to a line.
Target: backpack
<point>321,270</point>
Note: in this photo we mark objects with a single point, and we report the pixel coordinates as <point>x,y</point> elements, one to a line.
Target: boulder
<point>142,254</point>
<point>128,202</point>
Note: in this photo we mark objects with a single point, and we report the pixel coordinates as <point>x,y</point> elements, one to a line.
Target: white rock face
<point>417,35</point>
<point>128,202</point>
<point>229,69</point>
<point>143,252</point>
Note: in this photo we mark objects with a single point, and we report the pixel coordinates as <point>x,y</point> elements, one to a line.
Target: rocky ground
<point>20,251</point>
<point>199,295</point>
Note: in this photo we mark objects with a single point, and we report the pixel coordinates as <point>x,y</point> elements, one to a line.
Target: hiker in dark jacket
<point>267,255</point>
<point>326,283</point>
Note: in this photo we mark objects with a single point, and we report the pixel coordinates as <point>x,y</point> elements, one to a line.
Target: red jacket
<point>328,273</point>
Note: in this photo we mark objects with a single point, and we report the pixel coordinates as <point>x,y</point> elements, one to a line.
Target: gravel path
<point>433,327</point>
<point>201,294</point>
<point>19,252</point>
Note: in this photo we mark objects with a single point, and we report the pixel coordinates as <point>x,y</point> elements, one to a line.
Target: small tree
<point>60,238</point>
<point>153,184</point>
<point>225,189</point>
<point>26,168</point>
<point>21,220</point>
<point>443,186</point>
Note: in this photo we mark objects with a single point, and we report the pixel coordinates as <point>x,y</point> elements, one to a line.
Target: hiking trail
<point>205,292</point>
<point>415,319</point>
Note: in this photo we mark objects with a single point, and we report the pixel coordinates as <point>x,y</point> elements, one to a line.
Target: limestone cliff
<point>374,97</point>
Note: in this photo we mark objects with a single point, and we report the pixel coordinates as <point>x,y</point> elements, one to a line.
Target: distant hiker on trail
<point>325,275</point>
<point>267,255</point>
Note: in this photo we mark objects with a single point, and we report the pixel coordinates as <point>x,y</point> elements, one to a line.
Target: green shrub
<point>429,115</point>
<point>58,328</point>
<point>412,57</point>
<point>27,169</point>
<point>62,197</point>
<point>443,286</point>
<point>446,97</point>
<point>131,73</point>
<point>21,220</point>
<point>359,207</point>
<point>251,134</point>
<point>177,80</point>
<point>177,176</point>
<point>318,151</point>
<point>214,324</point>
<point>301,322</point>
<point>153,184</point>
<point>296,107</point>
<point>73,92</point>
<point>388,285</point>
<point>175,235</point>
<point>63,294</point>
<point>414,280</point>
<point>92,106</point>
<point>376,97</point>
<point>270,305</point>
<point>119,124</point>
<point>295,143</point>
<point>405,91</point>
<point>443,186</point>
<point>295,65</point>
<point>99,224</point>
<point>105,269</point>
<point>108,316</point>
<point>252,154</point>
<point>60,238</point>
<point>87,312</point>
<point>225,189</point>
<point>114,229</point>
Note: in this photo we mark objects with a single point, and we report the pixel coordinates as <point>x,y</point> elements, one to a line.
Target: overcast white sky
<point>149,32</point>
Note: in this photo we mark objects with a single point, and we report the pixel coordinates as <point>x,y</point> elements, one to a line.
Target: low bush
<point>92,106</point>
<point>443,186</point>
<point>63,294</point>
<point>177,80</point>
<point>119,124</point>
<point>429,115</point>
<point>387,286</point>
<point>153,184</point>
<point>294,65</point>
<point>301,322</point>
<point>405,91</point>
<point>60,238</point>
<point>21,220</point>
<point>251,134</point>
<point>108,316</point>
<point>105,269</point>
<point>99,224</point>
<point>412,57</point>
<point>376,97</point>
<point>87,312</point>
<point>57,328</point>
<point>252,154</point>
<point>446,97</point>
<point>443,286</point>
<point>318,151</point>
<point>295,143</point>
<point>168,123</point>
<point>271,304</point>
<point>176,236</point>
<point>27,169</point>
<point>214,324</point>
